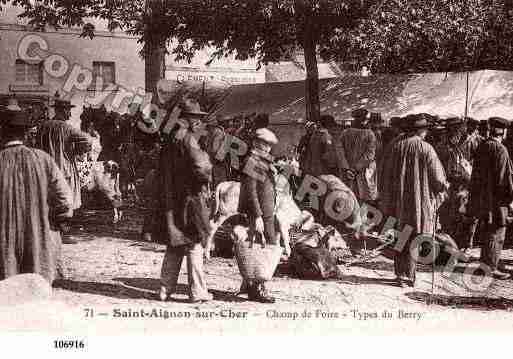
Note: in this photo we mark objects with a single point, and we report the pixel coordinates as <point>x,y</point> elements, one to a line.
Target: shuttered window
<point>28,73</point>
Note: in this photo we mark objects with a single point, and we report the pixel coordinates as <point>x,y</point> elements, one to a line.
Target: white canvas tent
<point>482,93</point>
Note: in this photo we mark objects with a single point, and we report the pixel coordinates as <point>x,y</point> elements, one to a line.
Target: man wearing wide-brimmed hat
<point>185,172</point>
<point>451,151</point>
<point>257,198</point>
<point>492,194</point>
<point>472,139</point>
<point>359,144</point>
<point>64,143</point>
<point>36,200</point>
<point>412,178</point>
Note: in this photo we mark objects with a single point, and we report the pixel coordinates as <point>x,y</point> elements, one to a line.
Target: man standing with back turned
<point>35,201</point>
<point>412,178</point>
<point>492,194</point>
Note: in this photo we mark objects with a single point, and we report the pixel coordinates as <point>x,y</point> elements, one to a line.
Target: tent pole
<point>466,94</point>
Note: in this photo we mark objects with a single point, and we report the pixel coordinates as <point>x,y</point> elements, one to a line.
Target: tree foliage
<point>432,35</point>
<point>391,36</point>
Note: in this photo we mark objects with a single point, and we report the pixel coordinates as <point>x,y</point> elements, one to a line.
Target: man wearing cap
<point>359,145</point>
<point>64,143</point>
<point>36,201</point>
<point>257,198</point>
<point>492,194</point>
<point>412,178</point>
<point>184,174</point>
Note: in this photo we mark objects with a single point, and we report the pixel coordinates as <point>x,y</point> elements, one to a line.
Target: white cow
<point>287,213</point>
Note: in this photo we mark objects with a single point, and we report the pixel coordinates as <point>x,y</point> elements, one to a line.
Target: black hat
<point>360,113</point>
<point>498,122</point>
<point>417,122</point>
<point>484,124</point>
<point>396,122</point>
<point>60,103</point>
<point>327,121</point>
<point>472,121</point>
<point>14,118</point>
<point>454,121</point>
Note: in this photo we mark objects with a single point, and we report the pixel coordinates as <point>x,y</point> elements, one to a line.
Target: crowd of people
<point>428,173</point>
<point>452,175</point>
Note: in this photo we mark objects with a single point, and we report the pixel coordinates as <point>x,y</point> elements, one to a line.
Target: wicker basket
<point>255,262</point>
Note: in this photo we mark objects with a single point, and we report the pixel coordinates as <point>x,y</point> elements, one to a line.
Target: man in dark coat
<point>184,174</point>
<point>302,146</point>
<point>359,144</point>
<point>317,157</point>
<point>212,144</point>
<point>64,143</point>
<point>492,194</point>
<point>35,202</point>
<point>472,140</point>
<point>257,198</point>
<point>412,178</point>
<point>453,216</point>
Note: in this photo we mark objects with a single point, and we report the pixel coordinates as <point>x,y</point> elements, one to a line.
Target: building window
<point>106,71</point>
<point>29,74</point>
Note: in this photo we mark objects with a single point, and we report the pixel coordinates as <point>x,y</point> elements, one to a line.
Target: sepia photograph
<point>255,167</point>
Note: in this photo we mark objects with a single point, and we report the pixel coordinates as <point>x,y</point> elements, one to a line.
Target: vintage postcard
<point>229,167</point>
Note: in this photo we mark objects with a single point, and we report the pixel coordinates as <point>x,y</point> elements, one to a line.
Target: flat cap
<point>266,135</point>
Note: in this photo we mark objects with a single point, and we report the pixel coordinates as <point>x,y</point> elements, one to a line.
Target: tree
<point>431,35</point>
<point>268,30</point>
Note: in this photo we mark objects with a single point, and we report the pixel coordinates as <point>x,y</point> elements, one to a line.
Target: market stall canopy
<point>209,94</point>
<point>271,98</point>
<point>484,93</point>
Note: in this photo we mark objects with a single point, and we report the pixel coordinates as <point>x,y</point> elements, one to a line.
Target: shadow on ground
<point>460,302</point>
<point>89,224</point>
<point>136,288</point>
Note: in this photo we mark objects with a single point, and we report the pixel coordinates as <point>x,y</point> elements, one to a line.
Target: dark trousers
<point>493,237</point>
<point>405,264</point>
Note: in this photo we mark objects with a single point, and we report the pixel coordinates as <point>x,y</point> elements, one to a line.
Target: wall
<point>80,53</point>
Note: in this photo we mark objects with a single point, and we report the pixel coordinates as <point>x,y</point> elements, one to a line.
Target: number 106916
<point>68,344</point>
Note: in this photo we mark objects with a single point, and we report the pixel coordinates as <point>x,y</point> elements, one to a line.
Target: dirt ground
<point>112,268</point>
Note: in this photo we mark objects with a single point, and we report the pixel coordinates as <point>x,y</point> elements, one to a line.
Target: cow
<point>103,188</point>
<point>287,212</point>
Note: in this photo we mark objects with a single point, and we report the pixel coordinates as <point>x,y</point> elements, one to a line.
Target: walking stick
<point>433,251</point>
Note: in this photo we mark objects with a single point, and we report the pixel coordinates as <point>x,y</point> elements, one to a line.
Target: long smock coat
<point>316,160</point>
<point>412,176</point>
<point>359,146</point>
<point>64,143</point>
<point>35,197</point>
<point>492,183</point>
<point>183,176</point>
